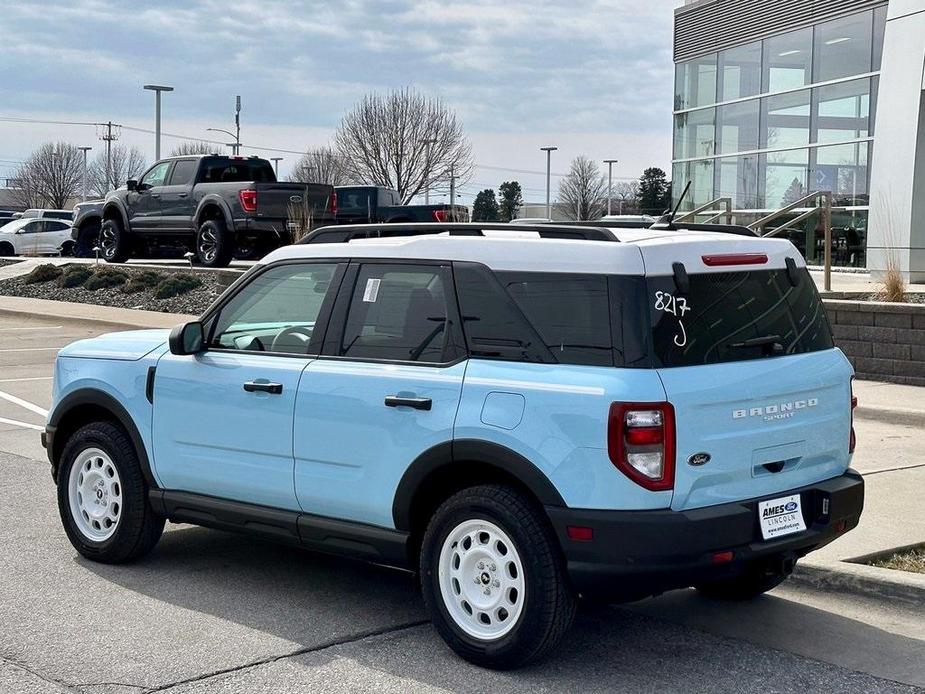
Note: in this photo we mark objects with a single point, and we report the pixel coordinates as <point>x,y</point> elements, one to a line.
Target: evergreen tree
<point>511,200</point>
<point>654,191</point>
<point>485,208</point>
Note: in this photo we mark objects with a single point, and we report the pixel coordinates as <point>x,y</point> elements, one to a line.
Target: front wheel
<point>103,498</point>
<point>114,244</point>
<point>493,578</point>
<point>214,245</point>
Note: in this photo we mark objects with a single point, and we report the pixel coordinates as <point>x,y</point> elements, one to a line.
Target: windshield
<point>735,316</point>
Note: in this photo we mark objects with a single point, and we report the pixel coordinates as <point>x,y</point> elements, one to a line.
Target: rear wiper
<point>765,340</point>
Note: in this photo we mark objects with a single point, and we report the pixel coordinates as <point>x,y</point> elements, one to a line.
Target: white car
<point>36,237</point>
<point>41,213</point>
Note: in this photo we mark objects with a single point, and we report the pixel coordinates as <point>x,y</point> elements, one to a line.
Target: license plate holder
<point>781,517</point>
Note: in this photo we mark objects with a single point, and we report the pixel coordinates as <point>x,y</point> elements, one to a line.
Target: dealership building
<point>778,99</point>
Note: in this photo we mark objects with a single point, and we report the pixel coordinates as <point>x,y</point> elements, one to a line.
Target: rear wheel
<point>6,249</point>
<point>493,579</point>
<point>214,245</point>
<point>114,243</point>
<point>746,587</point>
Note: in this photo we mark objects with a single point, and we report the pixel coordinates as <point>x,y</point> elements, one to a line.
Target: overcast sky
<point>591,77</point>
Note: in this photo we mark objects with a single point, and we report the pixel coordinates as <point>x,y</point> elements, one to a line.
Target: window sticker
<point>371,293</point>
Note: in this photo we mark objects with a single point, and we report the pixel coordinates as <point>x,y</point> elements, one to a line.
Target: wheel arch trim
<point>212,200</point>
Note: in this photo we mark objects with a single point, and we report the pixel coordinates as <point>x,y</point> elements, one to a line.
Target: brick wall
<point>885,342</point>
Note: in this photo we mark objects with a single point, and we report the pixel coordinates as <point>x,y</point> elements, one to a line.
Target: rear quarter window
<point>735,316</point>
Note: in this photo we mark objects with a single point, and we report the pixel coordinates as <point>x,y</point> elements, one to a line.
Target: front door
<point>223,417</point>
<point>144,205</point>
<point>385,390</point>
<point>177,206</point>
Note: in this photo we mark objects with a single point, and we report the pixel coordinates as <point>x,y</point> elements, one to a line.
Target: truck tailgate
<point>277,200</point>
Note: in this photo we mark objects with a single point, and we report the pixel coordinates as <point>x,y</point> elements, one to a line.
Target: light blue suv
<point>523,416</point>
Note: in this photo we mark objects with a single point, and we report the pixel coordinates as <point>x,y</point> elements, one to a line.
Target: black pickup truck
<point>216,206</point>
<point>377,205</point>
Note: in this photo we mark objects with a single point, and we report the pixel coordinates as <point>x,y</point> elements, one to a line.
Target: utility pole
<point>452,191</point>
<point>83,186</point>
<point>610,163</point>
<point>276,161</point>
<point>428,144</point>
<point>549,151</point>
<point>237,124</point>
<point>157,89</point>
<point>109,133</point>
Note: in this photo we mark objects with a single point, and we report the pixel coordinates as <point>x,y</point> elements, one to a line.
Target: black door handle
<point>416,403</point>
<point>155,195</point>
<point>255,386</point>
<point>181,195</point>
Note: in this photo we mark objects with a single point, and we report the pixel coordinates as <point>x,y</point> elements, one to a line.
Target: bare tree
<point>191,147</point>
<point>404,140</point>
<point>51,176</point>
<point>124,164</point>
<point>321,165</point>
<point>627,193</point>
<point>583,192</point>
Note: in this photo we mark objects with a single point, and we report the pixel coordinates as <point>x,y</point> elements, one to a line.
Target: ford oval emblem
<point>699,459</point>
<point>295,198</point>
<point>790,506</point>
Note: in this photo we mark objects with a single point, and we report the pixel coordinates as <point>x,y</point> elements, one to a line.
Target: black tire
<point>115,246</point>
<point>214,245</point>
<point>6,249</point>
<point>138,528</point>
<point>87,238</point>
<point>548,601</point>
<point>745,587</point>
<point>68,249</point>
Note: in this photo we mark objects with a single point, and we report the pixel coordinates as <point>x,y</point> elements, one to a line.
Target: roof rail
<point>348,232</point>
<point>736,229</point>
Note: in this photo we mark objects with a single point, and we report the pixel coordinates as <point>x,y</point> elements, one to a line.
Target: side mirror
<point>131,184</point>
<point>186,338</point>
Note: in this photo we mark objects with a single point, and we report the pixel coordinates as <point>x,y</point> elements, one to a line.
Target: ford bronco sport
<point>523,416</point>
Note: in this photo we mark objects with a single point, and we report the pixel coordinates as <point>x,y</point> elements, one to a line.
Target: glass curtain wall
<point>769,122</point>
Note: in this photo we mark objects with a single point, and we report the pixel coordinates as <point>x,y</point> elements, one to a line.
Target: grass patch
<point>907,560</point>
<point>176,285</point>
<point>43,273</point>
<point>74,276</point>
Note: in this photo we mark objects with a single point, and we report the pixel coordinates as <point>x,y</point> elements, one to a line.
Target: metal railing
<point>720,207</point>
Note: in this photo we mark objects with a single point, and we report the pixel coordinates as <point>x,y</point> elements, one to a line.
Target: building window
<point>737,127</point>
<point>879,28</point>
<point>843,47</point>
<point>787,61</point>
<point>785,175</point>
<point>739,71</point>
<point>843,170</point>
<point>694,134</point>
<point>737,178</point>
<point>842,111</point>
<point>785,120</point>
<point>695,82</point>
<point>700,174</point>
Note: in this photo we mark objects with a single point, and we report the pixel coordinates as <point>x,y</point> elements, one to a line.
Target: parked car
<point>375,204</point>
<point>36,213</point>
<point>213,205</point>
<point>520,417</point>
<point>31,236</point>
<point>6,219</point>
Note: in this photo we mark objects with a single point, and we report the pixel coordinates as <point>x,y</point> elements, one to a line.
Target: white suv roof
<point>634,251</point>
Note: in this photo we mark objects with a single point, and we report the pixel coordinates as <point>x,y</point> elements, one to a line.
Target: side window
<point>276,311</point>
<point>183,172</point>
<point>34,227</point>
<point>55,225</point>
<point>570,312</point>
<point>156,175</point>
<point>397,312</point>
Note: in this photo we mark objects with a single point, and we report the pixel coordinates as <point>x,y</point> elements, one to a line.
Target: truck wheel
<point>114,242</point>
<point>87,238</point>
<point>103,498</point>
<point>745,587</point>
<point>493,579</point>
<point>214,245</point>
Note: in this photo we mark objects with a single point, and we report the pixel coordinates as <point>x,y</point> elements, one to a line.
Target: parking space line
<point>29,378</point>
<point>25,425</point>
<point>23,403</point>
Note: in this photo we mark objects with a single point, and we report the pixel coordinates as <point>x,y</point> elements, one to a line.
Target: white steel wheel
<point>481,579</point>
<point>95,494</point>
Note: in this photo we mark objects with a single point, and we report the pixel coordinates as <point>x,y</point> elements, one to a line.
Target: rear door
<point>746,356</point>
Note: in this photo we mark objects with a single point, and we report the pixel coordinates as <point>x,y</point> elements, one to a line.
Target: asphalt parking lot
<point>208,611</point>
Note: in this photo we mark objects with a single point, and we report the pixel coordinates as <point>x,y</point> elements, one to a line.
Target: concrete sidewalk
<point>121,317</point>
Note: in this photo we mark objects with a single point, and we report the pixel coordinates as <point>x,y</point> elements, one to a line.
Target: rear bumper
<point>638,553</point>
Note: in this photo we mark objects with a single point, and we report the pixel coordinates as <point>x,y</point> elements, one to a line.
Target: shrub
<point>43,273</point>
<point>175,285</point>
<point>74,276</point>
<point>106,277</point>
<point>143,280</point>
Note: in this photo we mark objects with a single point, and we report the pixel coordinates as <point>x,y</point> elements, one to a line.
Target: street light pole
<point>610,163</point>
<point>84,179</point>
<point>549,151</point>
<point>276,161</point>
<point>157,89</point>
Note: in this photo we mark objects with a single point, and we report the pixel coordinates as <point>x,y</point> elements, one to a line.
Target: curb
<point>92,313</point>
<point>860,579</point>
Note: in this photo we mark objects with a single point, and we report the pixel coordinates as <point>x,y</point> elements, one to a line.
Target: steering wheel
<point>292,337</point>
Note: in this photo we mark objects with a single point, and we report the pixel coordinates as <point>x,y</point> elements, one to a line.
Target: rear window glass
<point>735,316</point>
<point>237,171</point>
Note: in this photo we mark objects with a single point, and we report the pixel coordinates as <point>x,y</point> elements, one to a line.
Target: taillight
<point>333,202</point>
<point>641,442</point>
<point>852,437</point>
<point>440,215</point>
<point>724,259</point>
<point>248,198</point>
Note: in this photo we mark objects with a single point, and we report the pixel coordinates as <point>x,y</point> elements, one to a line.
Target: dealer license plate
<point>779,517</point>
